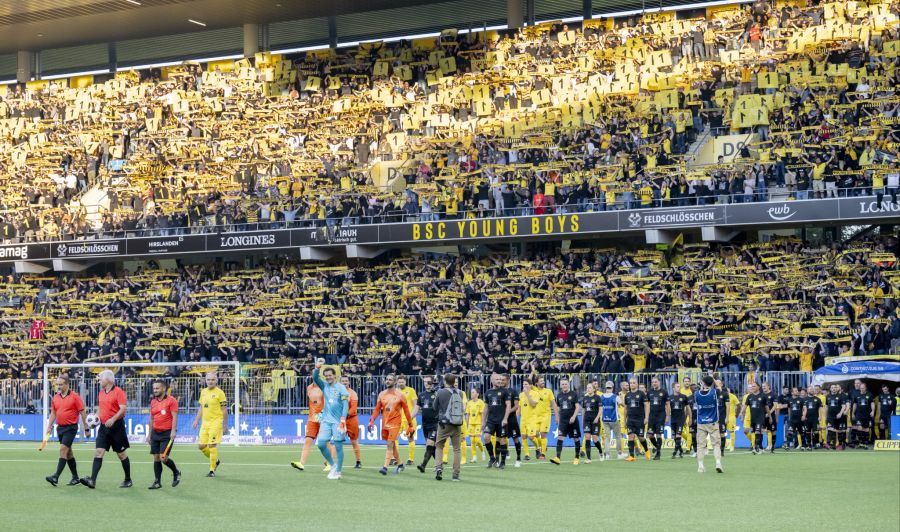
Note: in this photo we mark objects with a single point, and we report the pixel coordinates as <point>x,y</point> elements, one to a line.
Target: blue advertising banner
<point>277,430</point>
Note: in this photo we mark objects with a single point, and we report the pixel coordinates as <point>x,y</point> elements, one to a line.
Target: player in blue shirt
<point>333,423</point>
<point>707,403</point>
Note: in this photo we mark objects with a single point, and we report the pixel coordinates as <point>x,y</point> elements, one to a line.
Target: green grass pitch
<point>257,490</point>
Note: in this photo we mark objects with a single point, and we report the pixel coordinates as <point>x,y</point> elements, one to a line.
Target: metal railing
<point>265,395</point>
<point>623,202</point>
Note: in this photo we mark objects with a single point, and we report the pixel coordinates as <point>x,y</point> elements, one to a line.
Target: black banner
<point>167,245</point>
<point>77,249</point>
<point>673,217</point>
<point>328,236</point>
<point>867,207</point>
<point>499,228</point>
<point>778,212</point>
<point>274,239</point>
<point>774,213</point>
<point>14,252</point>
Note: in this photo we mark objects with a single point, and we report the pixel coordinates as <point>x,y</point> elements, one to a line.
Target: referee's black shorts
<point>159,440</point>
<point>114,437</point>
<point>429,430</point>
<point>66,434</point>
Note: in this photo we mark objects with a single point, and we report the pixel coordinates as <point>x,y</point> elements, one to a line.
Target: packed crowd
<point>782,305</point>
<point>546,119</point>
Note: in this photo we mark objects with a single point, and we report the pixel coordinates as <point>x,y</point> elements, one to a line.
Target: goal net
<point>248,414</point>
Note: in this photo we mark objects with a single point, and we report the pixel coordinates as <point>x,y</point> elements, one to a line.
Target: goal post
<point>184,379</point>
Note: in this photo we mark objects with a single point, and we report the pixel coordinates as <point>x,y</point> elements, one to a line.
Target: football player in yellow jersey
<point>686,387</point>
<point>474,407</point>
<point>731,421</point>
<point>542,415</point>
<point>463,432</point>
<point>822,411</point>
<point>687,390</point>
<point>411,399</point>
<point>214,411</point>
<point>624,388</point>
<point>527,404</point>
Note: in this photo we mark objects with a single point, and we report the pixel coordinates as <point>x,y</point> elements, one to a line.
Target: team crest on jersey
<point>163,412</point>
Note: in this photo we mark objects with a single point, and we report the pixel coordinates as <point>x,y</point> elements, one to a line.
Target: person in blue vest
<point>609,417</point>
<point>707,408</point>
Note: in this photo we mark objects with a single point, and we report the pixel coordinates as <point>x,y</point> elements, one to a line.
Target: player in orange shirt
<point>392,403</point>
<point>316,402</point>
<point>353,421</point>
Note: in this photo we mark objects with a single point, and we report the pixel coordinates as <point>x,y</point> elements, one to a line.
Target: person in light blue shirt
<point>707,407</point>
<point>333,423</point>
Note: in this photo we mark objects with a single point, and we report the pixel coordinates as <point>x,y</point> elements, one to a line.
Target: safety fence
<point>285,392</point>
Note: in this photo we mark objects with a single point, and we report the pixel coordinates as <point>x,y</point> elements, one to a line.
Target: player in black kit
<point>513,432</point>
<point>659,412</point>
<point>567,407</point>
<point>794,420</point>
<point>425,405</point>
<point>810,419</point>
<point>693,426</point>
<point>722,397</point>
<point>772,403</point>
<point>887,405</point>
<point>637,415</point>
<point>754,412</point>
<point>496,411</point>
<point>863,413</point>
<point>679,411</point>
<point>590,405</point>
<point>837,408</point>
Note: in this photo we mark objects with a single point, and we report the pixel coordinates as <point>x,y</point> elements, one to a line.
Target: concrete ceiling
<point>41,24</point>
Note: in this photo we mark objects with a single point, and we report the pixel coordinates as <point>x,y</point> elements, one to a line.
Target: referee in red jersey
<point>65,409</point>
<point>112,432</point>
<point>163,425</point>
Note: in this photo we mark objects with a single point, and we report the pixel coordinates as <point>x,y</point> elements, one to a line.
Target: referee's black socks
<point>73,467</point>
<point>126,466</point>
<point>429,454</point>
<point>631,448</point>
<point>59,467</point>
<point>171,465</point>
<point>518,444</point>
<point>490,448</point>
<point>559,447</point>
<point>157,470</point>
<point>95,468</point>
<point>578,447</point>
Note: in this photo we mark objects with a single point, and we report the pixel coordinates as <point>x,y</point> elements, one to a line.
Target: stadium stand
<point>551,118</point>
<point>775,306</point>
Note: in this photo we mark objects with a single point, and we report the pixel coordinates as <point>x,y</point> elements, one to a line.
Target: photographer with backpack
<point>450,405</point>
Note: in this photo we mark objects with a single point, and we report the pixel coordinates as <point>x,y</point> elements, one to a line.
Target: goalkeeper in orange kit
<point>393,408</point>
